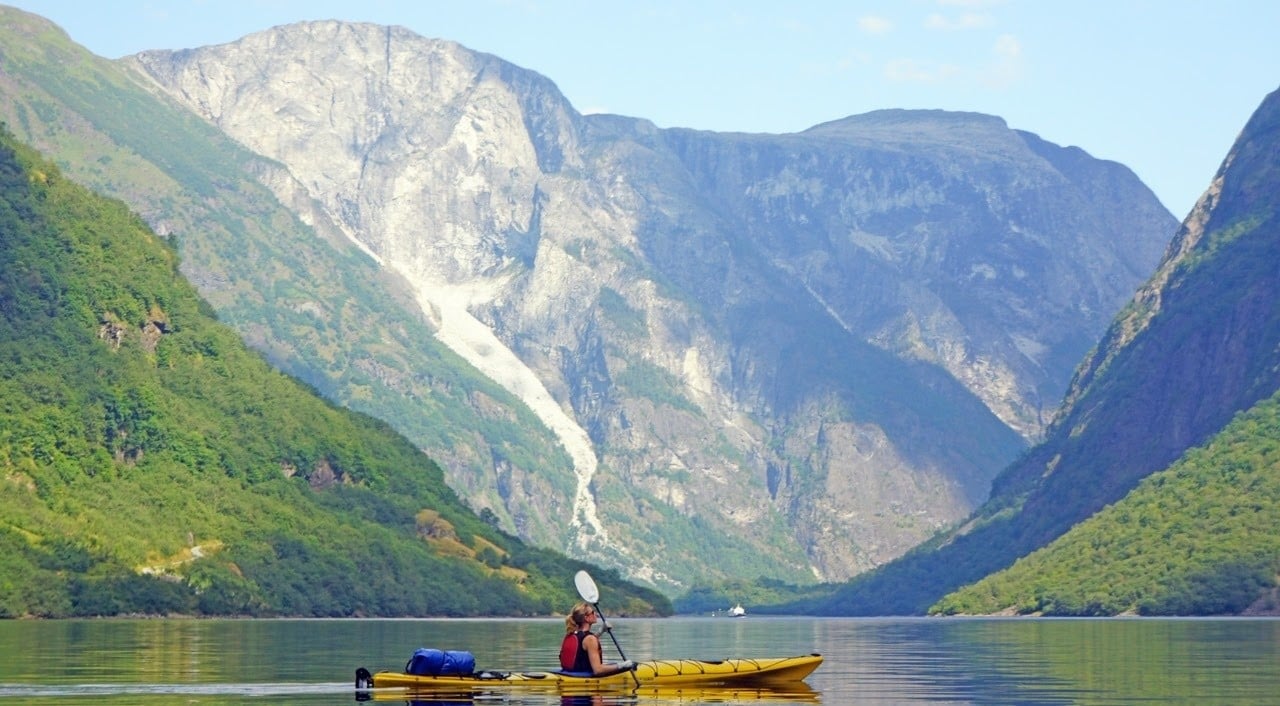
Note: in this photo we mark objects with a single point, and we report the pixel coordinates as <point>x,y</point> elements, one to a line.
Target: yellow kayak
<point>654,673</point>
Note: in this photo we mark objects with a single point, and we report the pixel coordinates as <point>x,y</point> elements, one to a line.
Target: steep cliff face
<point>947,238</point>
<point>766,354</point>
<point>1198,344</point>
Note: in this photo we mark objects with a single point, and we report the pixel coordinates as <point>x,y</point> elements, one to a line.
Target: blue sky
<point>1162,86</point>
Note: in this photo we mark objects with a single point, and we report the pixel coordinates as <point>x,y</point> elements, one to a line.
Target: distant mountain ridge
<point>1198,346</point>
<point>787,355</point>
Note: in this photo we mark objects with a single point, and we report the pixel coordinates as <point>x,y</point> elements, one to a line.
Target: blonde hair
<point>577,616</point>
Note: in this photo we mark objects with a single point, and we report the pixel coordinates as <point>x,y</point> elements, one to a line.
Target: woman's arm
<point>591,644</point>
<point>599,667</point>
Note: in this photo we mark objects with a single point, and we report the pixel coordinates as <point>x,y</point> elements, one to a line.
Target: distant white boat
<point>737,611</point>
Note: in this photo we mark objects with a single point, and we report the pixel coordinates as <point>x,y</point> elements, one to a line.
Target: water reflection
<point>919,661</point>
<point>1021,661</point>
<point>647,696</point>
<point>797,692</point>
<point>219,663</point>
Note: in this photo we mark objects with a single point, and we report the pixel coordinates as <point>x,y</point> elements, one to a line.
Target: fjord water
<point>871,661</point>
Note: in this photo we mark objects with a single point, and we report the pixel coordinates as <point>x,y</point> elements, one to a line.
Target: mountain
<point>687,355</point>
<point>150,463</point>
<point>1183,386</point>
<point>317,308</point>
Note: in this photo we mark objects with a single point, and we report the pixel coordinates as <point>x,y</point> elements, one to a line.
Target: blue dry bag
<point>427,661</point>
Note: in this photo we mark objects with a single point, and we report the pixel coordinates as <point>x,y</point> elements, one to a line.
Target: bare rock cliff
<point>788,355</point>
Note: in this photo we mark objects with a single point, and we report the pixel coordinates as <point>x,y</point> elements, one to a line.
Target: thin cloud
<point>796,26</point>
<point>1008,48</point>
<point>966,21</point>
<point>872,24</point>
<point>1006,67</point>
<point>912,71</point>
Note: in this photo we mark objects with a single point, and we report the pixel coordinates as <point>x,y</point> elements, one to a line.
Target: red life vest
<point>573,657</point>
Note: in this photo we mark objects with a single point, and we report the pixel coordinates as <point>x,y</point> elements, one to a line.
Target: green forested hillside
<point>322,312</point>
<point>1197,539</point>
<point>150,463</point>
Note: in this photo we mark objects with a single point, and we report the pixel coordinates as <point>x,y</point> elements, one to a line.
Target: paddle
<point>587,589</point>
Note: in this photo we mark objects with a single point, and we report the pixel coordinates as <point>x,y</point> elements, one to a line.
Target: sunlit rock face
<point>786,355</point>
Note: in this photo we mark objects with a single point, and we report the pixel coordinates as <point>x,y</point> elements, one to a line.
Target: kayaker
<point>580,651</point>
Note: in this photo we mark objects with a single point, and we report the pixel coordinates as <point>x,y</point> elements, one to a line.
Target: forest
<point>1196,539</point>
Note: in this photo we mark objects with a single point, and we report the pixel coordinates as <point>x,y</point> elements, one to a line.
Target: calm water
<point>961,661</point>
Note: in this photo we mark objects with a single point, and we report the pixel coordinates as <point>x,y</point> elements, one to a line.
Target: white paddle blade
<point>586,587</point>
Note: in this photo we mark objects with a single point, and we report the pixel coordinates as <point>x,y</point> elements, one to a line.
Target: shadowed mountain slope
<point>1199,344</point>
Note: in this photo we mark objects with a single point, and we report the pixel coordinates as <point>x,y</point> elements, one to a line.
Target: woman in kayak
<point>580,651</point>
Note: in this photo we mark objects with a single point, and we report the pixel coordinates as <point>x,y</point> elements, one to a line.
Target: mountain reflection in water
<point>867,661</point>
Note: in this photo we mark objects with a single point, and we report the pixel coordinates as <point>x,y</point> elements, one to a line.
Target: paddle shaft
<point>605,622</point>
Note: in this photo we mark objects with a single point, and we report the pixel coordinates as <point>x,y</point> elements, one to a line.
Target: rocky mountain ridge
<point>1197,347</point>
<point>630,284</point>
<point>784,355</point>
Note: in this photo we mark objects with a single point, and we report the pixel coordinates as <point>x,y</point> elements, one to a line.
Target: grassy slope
<point>1197,539</point>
